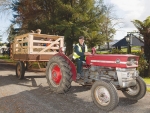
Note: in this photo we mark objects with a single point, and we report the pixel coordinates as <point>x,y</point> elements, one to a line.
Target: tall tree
<point>12,33</point>
<point>110,23</point>
<point>144,29</point>
<point>62,17</point>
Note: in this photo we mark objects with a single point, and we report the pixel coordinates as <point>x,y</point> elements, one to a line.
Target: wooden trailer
<point>33,47</point>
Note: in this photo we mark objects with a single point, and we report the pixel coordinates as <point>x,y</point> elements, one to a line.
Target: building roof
<point>133,42</point>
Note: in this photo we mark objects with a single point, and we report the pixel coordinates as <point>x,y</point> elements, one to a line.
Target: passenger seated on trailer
<point>42,44</point>
<point>50,40</point>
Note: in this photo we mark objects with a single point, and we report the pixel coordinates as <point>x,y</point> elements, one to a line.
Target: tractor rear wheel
<point>20,70</point>
<point>136,92</point>
<point>58,74</point>
<point>104,95</point>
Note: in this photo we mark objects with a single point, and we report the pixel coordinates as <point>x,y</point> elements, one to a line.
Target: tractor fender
<point>73,68</point>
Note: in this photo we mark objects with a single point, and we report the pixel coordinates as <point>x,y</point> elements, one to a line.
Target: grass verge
<point>147,81</point>
<point>6,58</point>
<point>148,89</point>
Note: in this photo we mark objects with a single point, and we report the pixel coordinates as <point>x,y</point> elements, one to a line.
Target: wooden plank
<point>32,57</point>
<point>51,53</point>
<point>39,41</point>
<point>21,36</point>
<point>52,44</point>
<point>42,47</point>
<point>30,47</point>
<point>46,36</point>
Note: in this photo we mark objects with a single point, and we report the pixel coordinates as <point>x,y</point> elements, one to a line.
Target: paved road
<point>32,95</point>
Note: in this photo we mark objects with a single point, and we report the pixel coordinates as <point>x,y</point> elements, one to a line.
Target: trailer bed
<point>36,47</point>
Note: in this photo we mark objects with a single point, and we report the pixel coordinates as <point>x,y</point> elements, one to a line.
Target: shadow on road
<point>5,80</point>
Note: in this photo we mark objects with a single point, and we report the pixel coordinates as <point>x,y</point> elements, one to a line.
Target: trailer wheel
<point>20,70</point>
<point>104,95</point>
<point>136,92</point>
<point>58,74</point>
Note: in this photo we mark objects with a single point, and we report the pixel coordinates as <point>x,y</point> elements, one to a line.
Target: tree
<point>144,29</point>
<point>5,10</point>
<point>0,41</point>
<point>62,17</point>
<point>94,39</point>
<point>12,33</point>
<point>110,23</point>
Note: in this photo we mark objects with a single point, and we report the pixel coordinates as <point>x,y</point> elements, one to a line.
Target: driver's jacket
<point>79,51</point>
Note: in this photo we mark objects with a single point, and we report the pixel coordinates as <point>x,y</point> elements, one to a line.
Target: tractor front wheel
<point>20,70</point>
<point>104,95</point>
<point>136,92</point>
<point>58,74</point>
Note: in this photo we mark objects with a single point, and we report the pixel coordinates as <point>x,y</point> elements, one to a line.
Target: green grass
<point>148,89</point>
<point>6,58</point>
<point>147,80</point>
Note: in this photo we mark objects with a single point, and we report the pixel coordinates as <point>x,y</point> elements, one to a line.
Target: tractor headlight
<point>132,62</point>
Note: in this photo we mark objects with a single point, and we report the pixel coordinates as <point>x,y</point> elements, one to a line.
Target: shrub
<point>143,65</point>
<point>117,51</point>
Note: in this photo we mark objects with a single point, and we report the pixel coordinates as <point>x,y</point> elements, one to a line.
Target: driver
<point>80,50</point>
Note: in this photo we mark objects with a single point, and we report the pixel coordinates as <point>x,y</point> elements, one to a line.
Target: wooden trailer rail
<point>36,47</point>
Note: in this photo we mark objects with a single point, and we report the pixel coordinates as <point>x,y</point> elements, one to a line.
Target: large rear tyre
<point>58,74</point>
<point>136,92</point>
<point>104,95</point>
<point>20,70</point>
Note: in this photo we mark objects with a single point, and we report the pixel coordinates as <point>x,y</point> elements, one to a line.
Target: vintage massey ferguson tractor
<point>105,73</point>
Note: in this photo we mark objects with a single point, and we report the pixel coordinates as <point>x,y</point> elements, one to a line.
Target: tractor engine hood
<point>113,60</point>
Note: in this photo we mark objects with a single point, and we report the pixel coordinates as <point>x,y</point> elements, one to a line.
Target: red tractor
<point>106,74</point>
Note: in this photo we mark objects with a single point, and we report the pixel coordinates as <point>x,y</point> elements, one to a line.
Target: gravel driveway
<point>32,95</point>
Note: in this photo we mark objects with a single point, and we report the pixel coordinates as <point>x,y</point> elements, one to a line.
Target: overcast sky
<point>129,10</point>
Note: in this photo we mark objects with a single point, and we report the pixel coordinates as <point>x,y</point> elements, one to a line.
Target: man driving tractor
<point>80,51</point>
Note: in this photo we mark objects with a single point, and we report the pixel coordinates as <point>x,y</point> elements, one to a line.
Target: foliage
<point>12,33</point>
<point>142,64</point>
<point>108,25</point>
<point>116,51</point>
<point>144,29</point>
<point>93,39</point>
<point>71,19</point>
